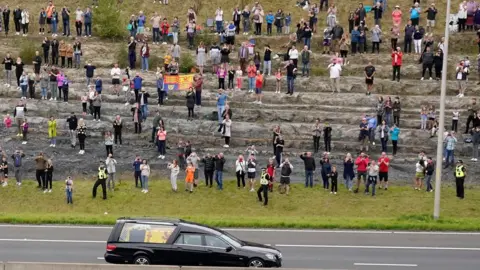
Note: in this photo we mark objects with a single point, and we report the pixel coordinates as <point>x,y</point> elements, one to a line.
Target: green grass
<point>398,208</point>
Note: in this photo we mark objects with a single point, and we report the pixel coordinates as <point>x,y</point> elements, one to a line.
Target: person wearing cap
<point>460,174</point>
<point>101,180</point>
<point>264,180</point>
<point>431,14</point>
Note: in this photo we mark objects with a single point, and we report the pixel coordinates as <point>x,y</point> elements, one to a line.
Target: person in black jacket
<point>66,21</point>
<point>17,19</point>
<point>55,46</point>
<point>190,96</point>
<point>46,49</point>
<point>219,163</point>
<point>226,111</point>
<point>6,19</point>
<point>309,162</point>
<point>327,138</point>
<point>117,129</point>
<point>209,167</point>
<point>438,64</point>
<point>72,129</point>
<point>89,72</point>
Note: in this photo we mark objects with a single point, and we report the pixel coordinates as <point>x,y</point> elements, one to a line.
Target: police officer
<point>264,180</point>
<point>460,173</point>
<point>102,179</point>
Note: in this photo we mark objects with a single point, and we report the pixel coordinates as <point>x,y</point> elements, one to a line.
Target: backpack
<point>129,27</point>
<point>17,161</point>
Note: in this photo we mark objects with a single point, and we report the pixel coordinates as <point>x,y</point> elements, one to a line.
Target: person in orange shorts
<point>189,172</point>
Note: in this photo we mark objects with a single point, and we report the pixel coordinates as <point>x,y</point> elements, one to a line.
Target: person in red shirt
<point>164,27</point>
<point>362,164</point>
<point>396,63</point>
<point>271,173</point>
<point>383,163</point>
<point>258,88</point>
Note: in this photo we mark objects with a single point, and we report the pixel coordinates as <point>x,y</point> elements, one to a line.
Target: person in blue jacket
<point>269,19</point>
<point>98,85</point>
<point>355,37</point>
<point>372,126</point>
<point>137,172</point>
<point>137,85</point>
<point>326,169</point>
<point>394,132</point>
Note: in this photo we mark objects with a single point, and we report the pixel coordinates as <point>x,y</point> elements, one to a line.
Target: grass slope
<point>398,208</point>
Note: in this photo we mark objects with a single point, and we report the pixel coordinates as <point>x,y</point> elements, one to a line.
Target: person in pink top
<point>278,81</point>
<point>362,165</point>
<point>397,15</point>
<point>60,79</point>
<point>251,73</point>
<point>221,74</point>
<point>161,139</point>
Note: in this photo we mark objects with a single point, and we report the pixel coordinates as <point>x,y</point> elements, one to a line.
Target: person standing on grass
<point>251,171</point>
<point>286,170</point>
<point>362,162</point>
<point>333,176</point>
<point>428,174</point>
<point>460,174</point>
<point>4,171</point>
<point>47,186</point>
<point>161,142</point>
<point>69,190</point>
<point>240,171</point>
<point>17,165</point>
<point>326,169</point>
<point>111,163</point>
<point>209,168</point>
<point>396,63</point>
<point>101,181</point>
<point>264,181</point>
<point>219,164</point>
<point>419,173</point>
<point>189,175</point>
<point>372,177</point>
<point>137,172</point>
<point>145,173</point>
<point>309,163</point>
<point>384,164</point>
<point>348,171</point>
<point>40,166</point>
<point>450,142</point>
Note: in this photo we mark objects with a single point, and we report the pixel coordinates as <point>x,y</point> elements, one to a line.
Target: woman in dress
<point>201,57</point>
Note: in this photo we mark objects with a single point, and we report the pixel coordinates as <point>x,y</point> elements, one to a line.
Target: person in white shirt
<point>219,20</point>
<point>335,70</point>
<point>293,55</point>
<point>372,177</point>
<point>79,21</point>
<point>240,168</point>
<point>116,72</point>
<point>461,75</point>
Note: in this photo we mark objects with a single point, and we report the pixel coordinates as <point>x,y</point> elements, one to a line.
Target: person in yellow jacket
<point>460,173</point>
<point>52,131</point>
<point>63,52</point>
<point>101,181</point>
<point>264,181</point>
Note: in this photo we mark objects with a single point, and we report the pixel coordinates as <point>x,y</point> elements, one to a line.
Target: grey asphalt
<point>301,249</point>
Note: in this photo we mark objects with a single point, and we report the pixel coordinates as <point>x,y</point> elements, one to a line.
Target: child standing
<point>258,88</point>
<point>221,74</point>
<point>326,40</point>
<point>174,170</point>
<point>52,131</point>
<point>334,180</point>
<point>239,74</point>
<point>24,131</point>
<point>455,116</point>
<point>231,76</point>
<point>7,121</point>
<point>84,99</point>
<point>278,80</point>
<point>4,171</point>
<point>69,189</point>
<point>423,118</point>
<point>98,85</point>
<point>189,172</point>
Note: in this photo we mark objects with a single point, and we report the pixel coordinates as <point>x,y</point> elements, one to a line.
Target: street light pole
<point>441,130</point>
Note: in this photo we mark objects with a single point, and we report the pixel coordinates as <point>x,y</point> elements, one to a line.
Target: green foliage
<point>108,21</point>
<point>186,63</point>
<point>121,57</point>
<point>27,52</point>
<point>206,38</point>
<point>154,61</point>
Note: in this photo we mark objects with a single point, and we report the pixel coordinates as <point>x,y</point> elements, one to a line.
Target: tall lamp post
<point>438,169</point>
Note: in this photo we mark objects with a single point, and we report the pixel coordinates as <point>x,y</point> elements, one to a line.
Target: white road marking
<point>100,258</point>
<point>54,241</point>
<point>251,230</point>
<point>385,264</point>
<point>379,247</point>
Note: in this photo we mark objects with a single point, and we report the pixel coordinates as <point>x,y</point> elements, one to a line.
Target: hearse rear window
<point>145,233</point>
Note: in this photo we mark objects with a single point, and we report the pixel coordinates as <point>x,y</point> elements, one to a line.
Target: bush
<point>121,56</point>
<point>187,63</point>
<point>27,52</point>
<point>108,20</point>
<point>207,39</point>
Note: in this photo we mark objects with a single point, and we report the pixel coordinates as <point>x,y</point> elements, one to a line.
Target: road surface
<point>301,248</point>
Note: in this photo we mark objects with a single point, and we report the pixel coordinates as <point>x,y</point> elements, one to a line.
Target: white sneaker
<point>146,191</point>
<point>421,79</point>
<point>461,95</point>
<point>49,191</point>
<point>4,184</point>
<point>160,156</point>
<point>331,192</point>
<point>24,142</point>
<point>335,193</point>
<point>19,184</point>
<point>163,157</point>
<point>54,146</point>
<point>430,78</point>
<point>458,95</point>
<point>225,145</point>
<point>45,191</point>
<point>260,102</point>
<point>55,99</point>
<point>126,104</point>
<point>252,190</point>
<point>50,145</point>
<point>164,43</point>
<point>80,152</point>
<point>166,98</point>
<point>473,159</point>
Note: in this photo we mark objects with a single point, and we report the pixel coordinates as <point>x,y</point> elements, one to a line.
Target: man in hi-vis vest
<point>460,173</point>
<point>264,180</point>
<point>102,180</point>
